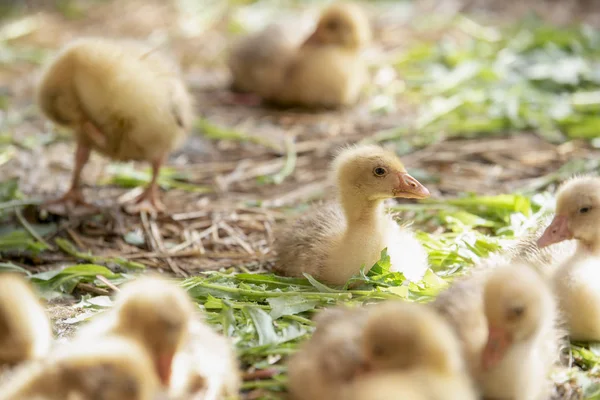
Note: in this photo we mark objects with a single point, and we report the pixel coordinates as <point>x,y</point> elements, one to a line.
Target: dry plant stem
<point>146,226</point>
<point>156,235</point>
<point>93,289</point>
<point>181,254</point>
<point>259,374</point>
<point>107,283</point>
<point>237,237</point>
<point>75,238</point>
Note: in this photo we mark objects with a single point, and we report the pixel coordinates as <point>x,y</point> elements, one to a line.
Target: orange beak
<point>163,366</point>
<point>498,342</point>
<point>410,188</point>
<point>556,232</point>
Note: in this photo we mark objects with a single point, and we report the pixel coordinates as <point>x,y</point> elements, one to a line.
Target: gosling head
<point>577,214</point>
<point>111,368</point>
<point>375,174</point>
<point>343,25</point>
<point>517,304</point>
<point>22,318</point>
<point>157,314</point>
<point>400,336</point>
<point>339,333</point>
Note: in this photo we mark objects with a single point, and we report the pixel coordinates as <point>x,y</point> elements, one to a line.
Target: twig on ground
<point>75,237</point>
<point>93,289</point>
<point>260,374</point>
<point>157,237</point>
<point>107,283</point>
<point>180,254</point>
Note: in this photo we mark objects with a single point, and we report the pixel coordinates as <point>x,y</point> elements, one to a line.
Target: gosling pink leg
<point>94,135</point>
<point>149,200</point>
<point>74,195</point>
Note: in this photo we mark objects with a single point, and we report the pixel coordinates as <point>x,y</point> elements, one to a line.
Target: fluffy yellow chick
<point>461,305</point>
<point>416,384</point>
<point>505,318</point>
<point>206,366</point>
<point>25,331</point>
<point>546,259</point>
<point>577,279</point>
<point>388,385</point>
<point>333,242</point>
<point>522,343</point>
<point>106,369</point>
<point>414,344</point>
<point>327,70</point>
<point>152,312</point>
<point>258,62</point>
<point>330,359</point>
<point>121,99</point>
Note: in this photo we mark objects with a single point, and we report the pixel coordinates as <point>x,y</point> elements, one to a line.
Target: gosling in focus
<point>333,242</point>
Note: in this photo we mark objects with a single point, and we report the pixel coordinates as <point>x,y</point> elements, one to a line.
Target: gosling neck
<point>443,357</point>
<point>359,210</point>
<point>585,247</point>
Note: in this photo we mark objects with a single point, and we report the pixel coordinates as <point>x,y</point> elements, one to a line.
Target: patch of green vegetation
<point>65,280</point>
<point>70,249</point>
<point>125,175</point>
<point>20,240</point>
<point>9,190</point>
<point>24,236</point>
<point>70,9</point>
<point>216,132</point>
<point>530,76</point>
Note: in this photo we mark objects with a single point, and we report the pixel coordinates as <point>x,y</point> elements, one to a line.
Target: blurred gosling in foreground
<point>25,330</point>
<point>104,369</point>
<point>577,279</point>
<point>410,353</point>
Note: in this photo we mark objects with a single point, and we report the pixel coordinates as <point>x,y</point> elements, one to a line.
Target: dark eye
<point>332,25</point>
<point>378,350</point>
<point>583,210</point>
<point>379,171</point>
<point>516,312</point>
